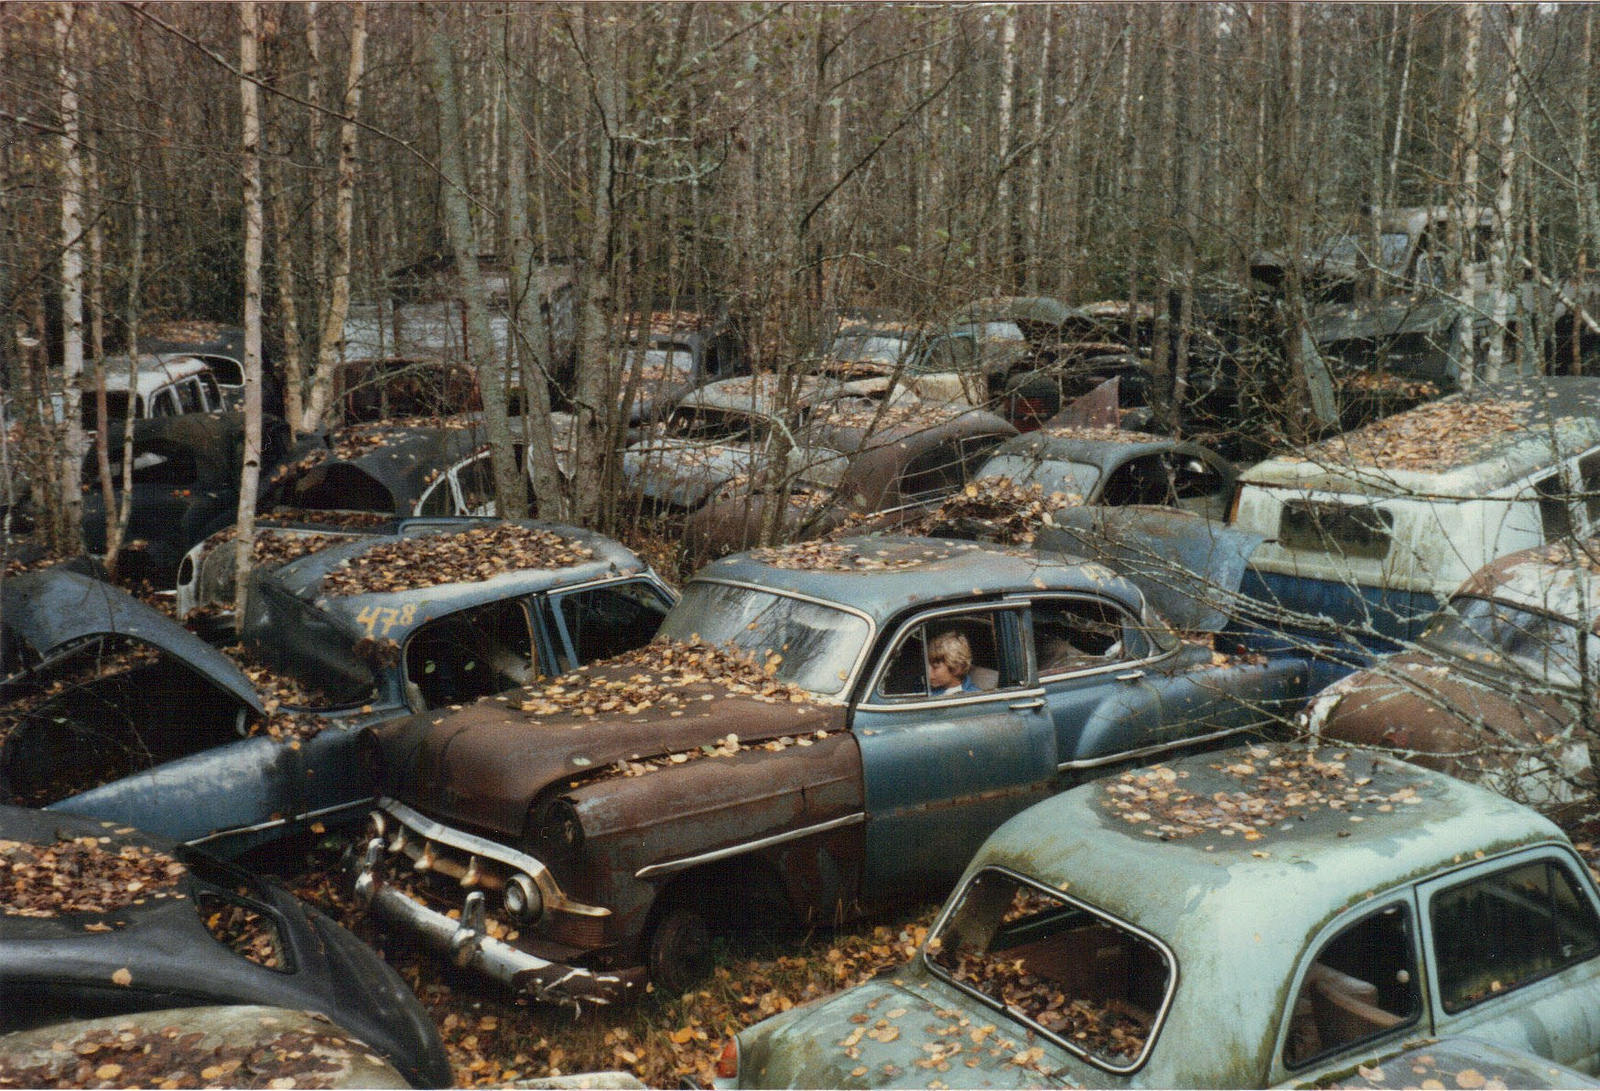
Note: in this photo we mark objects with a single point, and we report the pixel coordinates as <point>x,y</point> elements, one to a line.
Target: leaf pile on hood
<point>664,669</point>
<point>852,413</point>
<point>1438,434</point>
<point>333,517</point>
<point>1273,788</point>
<point>826,556</point>
<point>81,875</point>
<point>1105,433</point>
<point>993,509</point>
<point>468,556</point>
<point>135,1057</point>
<point>277,690</point>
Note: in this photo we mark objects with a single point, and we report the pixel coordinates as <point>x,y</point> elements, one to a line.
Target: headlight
<point>557,831</point>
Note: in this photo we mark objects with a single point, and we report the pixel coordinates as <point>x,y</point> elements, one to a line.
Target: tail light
<point>728,1060</point>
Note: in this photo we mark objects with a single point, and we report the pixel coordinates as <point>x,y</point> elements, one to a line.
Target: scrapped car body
<point>1370,531</point>
<point>673,354</point>
<point>167,1046</point>
<point>1259,917</point>
<point>186,473</point>
<point>1114,467</point>
<point>358,630</point>
<point>1495,689</point>
<point>899,459</point>
<point>158,386</point>
<point>219,346</point>
<point>785,747</point>
<point>144,924</point>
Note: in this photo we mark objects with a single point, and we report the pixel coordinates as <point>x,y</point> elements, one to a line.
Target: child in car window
<point>950,665</point>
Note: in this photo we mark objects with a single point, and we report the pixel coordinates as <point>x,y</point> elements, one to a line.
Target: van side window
<point>189,396</point>
<point>1589,478</point>
<point>1554,511</point>
<point>1349,530</point>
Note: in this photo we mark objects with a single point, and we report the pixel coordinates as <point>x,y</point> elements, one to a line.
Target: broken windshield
<point>816,646</point>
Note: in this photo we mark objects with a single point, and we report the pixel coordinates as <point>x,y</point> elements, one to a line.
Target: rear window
<point>1088,982</point>
<point>1350,530</point>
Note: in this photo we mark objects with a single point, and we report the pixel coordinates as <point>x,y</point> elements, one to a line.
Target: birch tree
<point>67,536</point>
<point>250,476</point>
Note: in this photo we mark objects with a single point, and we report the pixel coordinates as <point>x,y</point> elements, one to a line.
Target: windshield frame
<point>941,973</point>
<point>845,685</point>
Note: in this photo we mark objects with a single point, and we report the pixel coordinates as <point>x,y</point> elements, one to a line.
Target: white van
<point>1373,529</point>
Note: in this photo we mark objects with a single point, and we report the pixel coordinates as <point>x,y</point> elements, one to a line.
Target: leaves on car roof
<point>468,556</point>
<point>173,1057</point>
<point>81,875</point>
<point>1105,433</point>
<point>1274,786</point>
<point>1436,435</point>
<point>825,556</point>
<point>993,509</point>
<point>665,668</point>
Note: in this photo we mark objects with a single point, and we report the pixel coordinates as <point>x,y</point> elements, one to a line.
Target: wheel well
<point>708,889</point>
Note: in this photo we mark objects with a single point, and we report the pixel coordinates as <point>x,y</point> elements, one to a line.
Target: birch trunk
<point>1005,139</point>
<point>68,537</point>
<point>1467,193</point>
<point>1500,257</point>
<point>250,478</point>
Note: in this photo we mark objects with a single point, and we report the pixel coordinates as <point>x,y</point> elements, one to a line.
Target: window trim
<point>1157,1021</point>
<point>1403,895</point>
<point>1155,652</point>
<point>1029,687</point>
<point>561,642</point>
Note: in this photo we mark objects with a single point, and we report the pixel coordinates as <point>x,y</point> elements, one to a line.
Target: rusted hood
<point>482,766</point>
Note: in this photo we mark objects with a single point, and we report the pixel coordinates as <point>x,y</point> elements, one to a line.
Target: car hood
<point>53,608</point>
<point>894,1031</point>
<point>484,765</point>
<point>685,473</point>
<point>1188,566</point>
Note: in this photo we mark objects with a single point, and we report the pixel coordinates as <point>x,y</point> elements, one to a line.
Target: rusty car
<point>671,353</point>
<point>185,486</point>
<point>338,632</point>
<point>1498,689</point>
<point>856,459</point>
<point>101,919</point>
<point>1115,466</point>
<point>787,748</point>
<point>1258,917</point>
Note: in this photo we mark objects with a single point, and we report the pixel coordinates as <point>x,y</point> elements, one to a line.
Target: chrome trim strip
<point>669,867</point>
<point>921,703</point>
<point>493,850</point>
<point>1146,751</point>
<point>275,823</point>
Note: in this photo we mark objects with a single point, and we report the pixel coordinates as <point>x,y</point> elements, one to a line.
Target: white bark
<point>1467,193</point>
<point>249,481</point>
<point>1500,258</point>
<point>71,286</point>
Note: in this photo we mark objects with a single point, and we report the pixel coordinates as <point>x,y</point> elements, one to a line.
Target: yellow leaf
<point>122,977</point>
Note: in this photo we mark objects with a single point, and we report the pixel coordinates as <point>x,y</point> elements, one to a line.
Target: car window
<point>1589,476</point>
<point>1361,984</point>
<point>1555,515</point>
<point>164,403</point>
<point>604,621</point>
<point>476,480</point>
<point>211,393</point>
<point>228,372</point>
<point>190,396</point>
<point>1349,530</point>
<point>1496,932</point>
<point>1081,634</point>
<point>1082,978</point>
<point>971,647</point>
<point>470,654</point>
<point>438,499</point>
<point>934,473</point>
<point>1141,480</point>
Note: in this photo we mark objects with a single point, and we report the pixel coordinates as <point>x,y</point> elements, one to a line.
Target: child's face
<point>940,676</point>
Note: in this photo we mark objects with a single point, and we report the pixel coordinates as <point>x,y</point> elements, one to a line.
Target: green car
<point>1248,918</point>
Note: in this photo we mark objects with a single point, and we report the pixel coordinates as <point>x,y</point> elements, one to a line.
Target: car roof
<point>404,459</point>
<point>1562,578</point>
<point>151,371</point>
<point>1112,842</point>
<point>1458,447</point>
<point>882,576</point>
<point>303,577</point>
<point>1100,447</point>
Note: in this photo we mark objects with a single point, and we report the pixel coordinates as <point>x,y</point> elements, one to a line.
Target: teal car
<point>1273,915</point>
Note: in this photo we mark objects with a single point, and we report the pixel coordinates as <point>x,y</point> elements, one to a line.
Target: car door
<point>1093,660</point>
<point>941,770</point>
<point>1513,949</point>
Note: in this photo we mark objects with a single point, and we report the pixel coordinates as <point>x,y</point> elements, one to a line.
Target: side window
<point>1141,480</point>
<point>605,621</point>
<point>1081,634</point>
<point>1555,514</point>
<point>190,398</point>
<point>212,394</point>
<point>932,474</point>
<point>1362,984</point>
<point>1589,478</point>
<point>1194,478</point>
<point>439,499</point>
<point>476,480</point>
<point>954,654</point>
<point>1498,931</point>
<point>164,403</point>
<point>470,654</point>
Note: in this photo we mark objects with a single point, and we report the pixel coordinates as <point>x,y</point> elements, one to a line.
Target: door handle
<point>1130,676</point>
<point>1021,706</point>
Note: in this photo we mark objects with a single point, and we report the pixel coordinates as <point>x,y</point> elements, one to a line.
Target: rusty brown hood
<point>483,765</point>
<point>1443,717</point>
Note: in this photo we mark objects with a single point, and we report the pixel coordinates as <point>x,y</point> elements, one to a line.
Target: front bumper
<point>477,863</point>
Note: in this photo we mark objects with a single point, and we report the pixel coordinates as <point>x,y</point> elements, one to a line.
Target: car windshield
<point>1082,978</point>
<point>1491,632</point>
<point>817,645</point>
<point>875,347</point>
<point>1051,475</point>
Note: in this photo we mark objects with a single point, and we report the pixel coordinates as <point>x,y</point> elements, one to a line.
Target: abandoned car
<point>1368,532</point>
<point>893,459</point>
<point>1263,916</point>
<point>339,633</point>
<point>1115,467</point>
<point>1496,688</point>
<point>792,743</point>
<point>186,473</point>
<point>673,354</point>
<point>100,919</point>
